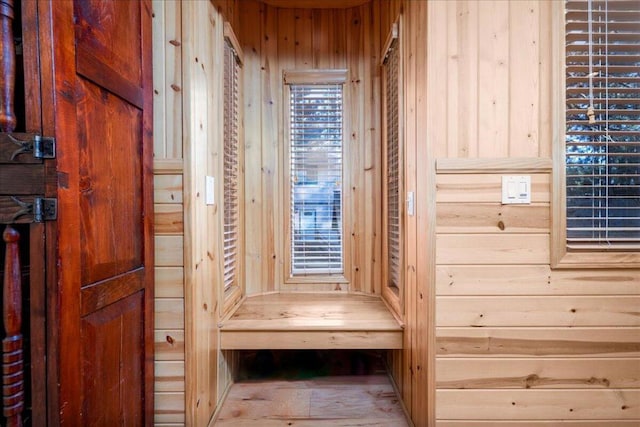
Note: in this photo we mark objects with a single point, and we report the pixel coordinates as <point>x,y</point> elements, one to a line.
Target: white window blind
<point>603,124</point>
<point>316,118</point>
<point>391,72</point>
<point>230,173</point>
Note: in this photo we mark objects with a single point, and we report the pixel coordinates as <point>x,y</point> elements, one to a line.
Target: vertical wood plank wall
<point>412,368</point>
<point>517,342</point>
<point>168,215</point>
<point>192,374</point>
<point>398,361</point>
<point>207,372</point>
<point>274,40</point>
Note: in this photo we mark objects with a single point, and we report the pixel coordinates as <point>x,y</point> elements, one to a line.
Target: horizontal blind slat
<point>316,120</point>
<point>602,158</point>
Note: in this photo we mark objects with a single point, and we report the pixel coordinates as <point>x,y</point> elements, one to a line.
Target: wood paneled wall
<point>168,214</point>
<point>491,65</point>
<point>207,372</point>
<point>192,375</point>
<point>274,40</point>
<point>517,342</point>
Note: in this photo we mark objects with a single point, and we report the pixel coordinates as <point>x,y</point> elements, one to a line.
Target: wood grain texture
<point>597,373</point>
<point>116,353</point>
<point>167,188</point>
<point>324,4</point>
<point>318,339</point>
<point>169,313</point>
<point>503,249</point>
<point>8,118</point>
<point>169,251</point>
<point>253,202</point>
<point>490,72</point>
<point>169,282</point>
<point>423,348</point>
<point>169,344</point>
<point>13,403</point>
<point>514,311</point>
<point>506,165</point>
<point>170,408</point>
<point>538,404</point>
<point>169,376</point>
<point>301,40</point>
<point>168,167</point>
<point>543,342</point>
<point>203,132</point>
<point>168,219</point>
<point>311,321</point>
<point>532,280</point>
<point>480,188</point>
<point>542,423</point>
<point>300,311</point>
<point>100,100</point>
<point>326,401</point>
<point>476,218</point>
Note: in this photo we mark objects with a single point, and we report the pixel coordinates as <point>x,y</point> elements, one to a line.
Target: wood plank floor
<point>362,400</point>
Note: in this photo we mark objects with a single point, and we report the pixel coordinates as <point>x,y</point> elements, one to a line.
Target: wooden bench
<point>311,321</point>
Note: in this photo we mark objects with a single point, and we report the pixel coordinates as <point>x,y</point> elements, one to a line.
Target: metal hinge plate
<point>40,147</point>
<point>45,209</point>
<point>44,147</point>
<point>42,209</point>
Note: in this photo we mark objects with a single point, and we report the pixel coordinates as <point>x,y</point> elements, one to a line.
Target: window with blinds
<point>391,70</point>
<point>315,168</point>
<point>602,124</point>
<point>230,163</point>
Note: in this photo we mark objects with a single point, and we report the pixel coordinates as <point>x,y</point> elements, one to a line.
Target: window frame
<point>393,297</point>
<point>561,255</point>
<point>310,77</point>
<point>233,294</point>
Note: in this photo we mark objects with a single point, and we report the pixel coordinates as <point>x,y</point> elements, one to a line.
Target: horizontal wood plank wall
<point>276,39</point>
<point>517,343</point>
<point>168,214</point>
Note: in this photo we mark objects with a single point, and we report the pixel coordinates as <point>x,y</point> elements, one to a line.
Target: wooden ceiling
<point>315,4</point>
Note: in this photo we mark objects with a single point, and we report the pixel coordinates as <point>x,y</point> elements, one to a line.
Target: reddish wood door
<point>100,57</point>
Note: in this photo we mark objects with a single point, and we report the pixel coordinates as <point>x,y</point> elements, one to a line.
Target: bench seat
<point>311,321</point>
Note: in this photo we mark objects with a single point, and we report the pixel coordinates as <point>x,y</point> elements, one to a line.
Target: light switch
<point>516,189</point>
<point>411,203</point>
<point>209,193</point>
<point>522,189</point>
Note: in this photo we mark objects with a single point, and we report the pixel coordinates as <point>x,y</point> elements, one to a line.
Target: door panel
<point>109,32</point>
<point>103,121</point>
<point>109,139</point>
<point>111,339</point>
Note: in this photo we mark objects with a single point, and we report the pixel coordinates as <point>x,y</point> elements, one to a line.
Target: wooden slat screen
<point>230,173</point>
<point>391,81</point>
<point>316,121</point>
<point>603,154</point>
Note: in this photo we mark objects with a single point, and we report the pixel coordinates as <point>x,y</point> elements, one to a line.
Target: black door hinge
<point>44,147</point>
<point>42,209</point>
<point>41,147</point>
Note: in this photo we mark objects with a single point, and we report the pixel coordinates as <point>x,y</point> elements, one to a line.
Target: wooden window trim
<point>233,294</point>
<point>315,76</point>
<point>393,298</point>
<point>561,256</point>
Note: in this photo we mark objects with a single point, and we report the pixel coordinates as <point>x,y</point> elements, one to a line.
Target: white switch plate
<point>516,189</point>
<point>411,204</point>
<point>209,190</point>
